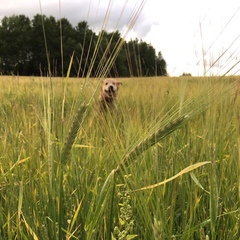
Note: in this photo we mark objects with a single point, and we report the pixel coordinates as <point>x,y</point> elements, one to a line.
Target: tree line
<point>44,46</point>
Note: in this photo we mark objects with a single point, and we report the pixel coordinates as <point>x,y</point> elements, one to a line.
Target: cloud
<point>104,14</point>
<point>108,15</point>
<point>172,27</point>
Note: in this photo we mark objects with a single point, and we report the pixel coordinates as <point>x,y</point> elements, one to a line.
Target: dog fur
<point>108,94</point>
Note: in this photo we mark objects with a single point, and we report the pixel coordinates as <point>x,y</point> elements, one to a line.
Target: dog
<point>108,94</point>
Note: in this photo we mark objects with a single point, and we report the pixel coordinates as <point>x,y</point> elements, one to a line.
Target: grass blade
<point>194,178</point>
<point>73,221</point>
<point>30,230</point>
<point>213,199</point>
<point>184,171</point>
<point>95,214</point>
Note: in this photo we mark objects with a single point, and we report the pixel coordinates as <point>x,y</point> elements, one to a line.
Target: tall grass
<point>164,165</point>
<point>80,184</point>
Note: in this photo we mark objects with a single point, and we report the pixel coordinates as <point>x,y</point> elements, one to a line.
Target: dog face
<point>110,88</point>
<point>109,92</point>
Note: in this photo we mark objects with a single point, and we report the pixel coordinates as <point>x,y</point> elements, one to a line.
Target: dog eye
<point>106,83</point>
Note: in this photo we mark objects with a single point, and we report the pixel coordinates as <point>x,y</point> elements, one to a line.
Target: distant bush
<point>186,74</point>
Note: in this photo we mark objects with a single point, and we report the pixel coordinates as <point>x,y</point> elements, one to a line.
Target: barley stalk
<point>72,134</point>
<point>151,140</point>
<point>213,200</point>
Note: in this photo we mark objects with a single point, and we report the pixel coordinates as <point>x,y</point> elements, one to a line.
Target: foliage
<point>44,46</point>
<point>186,74</point>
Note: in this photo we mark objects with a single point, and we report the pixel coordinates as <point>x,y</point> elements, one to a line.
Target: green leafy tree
<point>161,65</point>
<point>39,63</point>
<point>44,46</point>
<point>142,60</point>
<point>112,54</point>
<point>68,43</point>
<point>132,56</point>
<point>86,40</point>
<point>14,45</point>
<point>147,58</point>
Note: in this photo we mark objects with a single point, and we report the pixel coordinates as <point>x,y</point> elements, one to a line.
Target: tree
<point>147,57</point>
<point>39,63</point>
<point>86,40</point>
<point>132,56</point>
<point>14,45</point>
<point>44,46</point>
<point>67,43</point>
<point>161,65</point>
<point>111,56</point>
<point>142,60</point>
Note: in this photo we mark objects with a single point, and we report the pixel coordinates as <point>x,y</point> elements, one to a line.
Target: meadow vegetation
<point>164,165</point>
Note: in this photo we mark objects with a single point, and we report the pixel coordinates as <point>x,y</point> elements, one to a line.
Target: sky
<point>200,37</point>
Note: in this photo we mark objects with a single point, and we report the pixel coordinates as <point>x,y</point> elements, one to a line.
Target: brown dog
<point>108,93</point>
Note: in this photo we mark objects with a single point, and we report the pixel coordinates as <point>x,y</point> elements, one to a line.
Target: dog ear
<point>118,84</point>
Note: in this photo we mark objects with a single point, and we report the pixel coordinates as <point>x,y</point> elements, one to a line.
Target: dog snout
<point>111,89</point>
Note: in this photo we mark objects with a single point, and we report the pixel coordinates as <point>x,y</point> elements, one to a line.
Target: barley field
<point>164,165</point>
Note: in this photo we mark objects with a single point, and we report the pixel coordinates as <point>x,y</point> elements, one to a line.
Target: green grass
<point>165,165</point>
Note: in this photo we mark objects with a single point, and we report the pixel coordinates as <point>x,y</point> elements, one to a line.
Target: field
<point>164,165</point>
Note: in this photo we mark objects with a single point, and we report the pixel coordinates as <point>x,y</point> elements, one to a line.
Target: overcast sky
<point>193,35</point>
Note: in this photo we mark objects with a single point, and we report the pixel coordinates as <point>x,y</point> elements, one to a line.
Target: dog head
<point>110,89</point>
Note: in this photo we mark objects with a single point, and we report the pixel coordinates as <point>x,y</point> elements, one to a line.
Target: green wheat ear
<point>72,134</point>
<point>151,140</point>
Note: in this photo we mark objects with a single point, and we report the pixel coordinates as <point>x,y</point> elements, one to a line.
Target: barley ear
<point>151,140</point>
<point>72,134</point>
